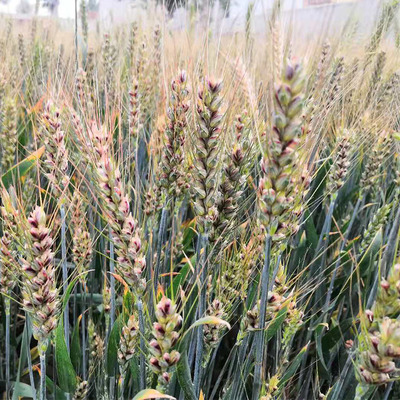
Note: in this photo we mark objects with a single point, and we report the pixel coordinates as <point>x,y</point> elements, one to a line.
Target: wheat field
<point>194,214</point>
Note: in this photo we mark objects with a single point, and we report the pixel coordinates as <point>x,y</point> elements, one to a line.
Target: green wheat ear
<point>208,133</point>
<point>279,182</point>
<point>82,243</point>
<point>172,169</point>
<point>9,134</point>
<point>81,391</point>
<point>376,361</point>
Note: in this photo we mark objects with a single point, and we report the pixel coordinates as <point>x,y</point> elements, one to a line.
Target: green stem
<point>64,273</point>
<point>202,272</point>
<point>259,336</point>
<point>342,245</point>
<point>112,388</point>
<point>28,355</point>
<point>237,378</point>
<point>142,346</point>
<point>361,391</point>
<point>76,36</point>
<point>42,345</point>
<point>7,306</point>
<point>121,384</point>
<point>315,271</point>
<point>84,331</point>
<point>112,283</point>
<point>161,234</point>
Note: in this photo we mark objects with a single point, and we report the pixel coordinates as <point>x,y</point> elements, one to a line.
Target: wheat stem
<point>112,388</point>
<point>7,306</point>
<point>121,385</point>
<point>83,288</point>
<point>142,346</point>
<point>112,283</point>
<point>28,355</point>
<point>359,203</point>
<point>202,272</point>
<point>76,36</point>
<point>323,244</point>
<point>64,272</point>
<point>260,335</point>
<point>42,356</point>
<point>160,238</point>
<point>388,256</point>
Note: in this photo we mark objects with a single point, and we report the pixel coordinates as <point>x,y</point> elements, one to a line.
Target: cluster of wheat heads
<point>190,215</point>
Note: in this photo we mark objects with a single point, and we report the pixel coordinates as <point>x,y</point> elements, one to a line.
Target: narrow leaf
<point>112,348</point>
<point>289,373</point>
<point>65,369</point>
<point>183,371</point>
<point>22,168</point>
<point>276,323</point>
<point>21,390</point>
<point>76,352</point>
<point>210,320</point>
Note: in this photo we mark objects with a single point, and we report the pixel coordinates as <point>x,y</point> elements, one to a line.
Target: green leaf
<point>65,369</point>
<point>127,303</point>
<point>21,390</point>
<point>147,394</point>
<point>183,368</point>
<point>367,260</point>
<point>112,347</point>
<point>276,323</point>
<point>183,371</point>
<point>58,393</point>
<point>135,372</point>
<point>311,232</point>
<point>318,333</point>
<point>19,170</point>
<point>335,335</point>
<point>70,288</point>
<point>396,135</point>
<point>188,235</point>
<point>178,280</point>
<point>294,365</point>
<point>76,352</point>
<point>26,337</point>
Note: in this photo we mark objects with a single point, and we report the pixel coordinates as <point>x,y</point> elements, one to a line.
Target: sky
<point>65,9</point>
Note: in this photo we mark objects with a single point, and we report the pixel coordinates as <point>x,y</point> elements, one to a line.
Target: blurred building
<point>118,9</point>
<point>309,16</point>
<point>308,3</point>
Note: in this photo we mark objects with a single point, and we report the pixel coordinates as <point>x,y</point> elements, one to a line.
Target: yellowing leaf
<point>201,397</point>
<point>38,106</point>
<point>21,169</point>
<point>36,154</point>
<point>120,280</point>
<point>169,274</point>
<point>147,394</point>
<point>211,320</point>
<point>396,135</point>
<point>160,291</point>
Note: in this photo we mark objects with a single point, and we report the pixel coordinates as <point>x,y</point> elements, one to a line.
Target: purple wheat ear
<point>39,287</point>
<point>128,346</point>
<point>166,334</point>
